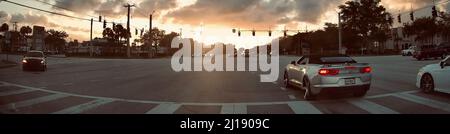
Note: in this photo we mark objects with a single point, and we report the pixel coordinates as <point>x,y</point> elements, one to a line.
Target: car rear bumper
<point>347,89</point>
<point>338,83</point>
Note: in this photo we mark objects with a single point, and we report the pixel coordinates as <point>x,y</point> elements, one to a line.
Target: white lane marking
<point>227,109</point>
<point>83,107</point>
<point>292,97</point>
<point>67,84</point>
<point>14,92</point>
<point>372,107</point>
<point>303,107</point>
<point>283,88</point>
<point>390,94</point>
<point>234,109</point>
<point>187,103</point>
<point>30,102</point>
<point>164,109</point>
<point>424,101</point>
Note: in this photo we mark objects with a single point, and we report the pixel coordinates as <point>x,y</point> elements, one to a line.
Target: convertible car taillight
<point>329,72</point>
<point>366,70</point>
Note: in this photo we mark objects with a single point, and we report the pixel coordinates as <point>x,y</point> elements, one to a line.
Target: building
<point>400,41</point>
<point>38,38</point>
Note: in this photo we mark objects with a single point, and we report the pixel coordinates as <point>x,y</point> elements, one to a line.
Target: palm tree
<point>25,30</point>
<point>424,28</point>
<point>4,27</point>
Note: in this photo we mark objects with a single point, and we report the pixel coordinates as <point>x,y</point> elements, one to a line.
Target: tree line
<point>55,39</point>
<point>365,22</point>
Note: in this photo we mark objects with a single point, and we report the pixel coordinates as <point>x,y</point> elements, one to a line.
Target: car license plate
<point>351,81</point>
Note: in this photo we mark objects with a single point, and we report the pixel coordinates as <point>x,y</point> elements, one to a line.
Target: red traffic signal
<point>104,24</point>
<point>434,12</point>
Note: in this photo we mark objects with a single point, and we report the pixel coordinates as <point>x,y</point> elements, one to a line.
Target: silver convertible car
<point>318,74</point>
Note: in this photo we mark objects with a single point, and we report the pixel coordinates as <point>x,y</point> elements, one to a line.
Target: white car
<point>409,52</point>
<point>435,77</point>
<point>318,74</point>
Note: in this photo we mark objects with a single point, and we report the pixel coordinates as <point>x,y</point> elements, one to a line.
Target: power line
<point>428,6</point>
<point>50,12</point>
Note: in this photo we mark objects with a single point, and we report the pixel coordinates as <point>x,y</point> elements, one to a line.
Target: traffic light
<point>142,31</point>
<point>114,25</point>
<point>399,18</point>
<point>254,33</point>
<point>285,33</point>
<point>104,24</point>
<point>234,30</point>
<point>136,33</point>
<point>411,15</point>
<point>270,33</point>
<point>239,33</point>
<point>99,18</point>
<point>434,12</point>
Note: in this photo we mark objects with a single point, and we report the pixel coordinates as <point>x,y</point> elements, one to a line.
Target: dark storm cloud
<point>311,11</point>
<point>79,6</point>
<point>270,12</point>
<point>147,6</point>
<point>111,8</point>
<point>248,13</point>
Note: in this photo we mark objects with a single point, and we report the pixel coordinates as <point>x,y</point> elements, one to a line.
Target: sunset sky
<point>197,18</point>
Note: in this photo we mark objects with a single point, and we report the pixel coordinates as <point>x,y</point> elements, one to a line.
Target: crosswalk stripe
<point>30,102</point>
<point>424,101</point>
<point>13,92</point>
<point>303,107</point>
<point>371,107</point>
<point>164,109</point>
<point>83,107</point>
<point>234,109</point>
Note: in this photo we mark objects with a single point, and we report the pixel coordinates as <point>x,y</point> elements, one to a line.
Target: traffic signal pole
<point>128,6</point>
<point>340,34</point>
<point>90,42</point>
<point>150,37</point>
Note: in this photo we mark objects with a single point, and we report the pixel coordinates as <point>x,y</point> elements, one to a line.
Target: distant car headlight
<point>42,62</point>
<point>24,61</point>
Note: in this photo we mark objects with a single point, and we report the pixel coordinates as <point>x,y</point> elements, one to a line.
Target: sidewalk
<point>7,64</point>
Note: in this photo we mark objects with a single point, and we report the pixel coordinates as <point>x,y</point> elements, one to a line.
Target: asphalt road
<point>81,85</point>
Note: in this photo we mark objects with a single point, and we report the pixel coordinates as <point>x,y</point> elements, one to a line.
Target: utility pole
<point>150,36</point>
<point>15,26</point>
<point>340,34</point>
<point>128,6</point>
<point>90,42</point>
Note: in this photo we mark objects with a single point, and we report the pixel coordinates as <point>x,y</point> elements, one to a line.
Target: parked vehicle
<point>445,46</point>
<point>428,51</point>
<point>435,77</point>
<point>321,73</point>
<point>409,52</point>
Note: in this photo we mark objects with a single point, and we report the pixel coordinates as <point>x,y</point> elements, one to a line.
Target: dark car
<point>428,51</point>
<point>34,60</point>
<point>445,46</point>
